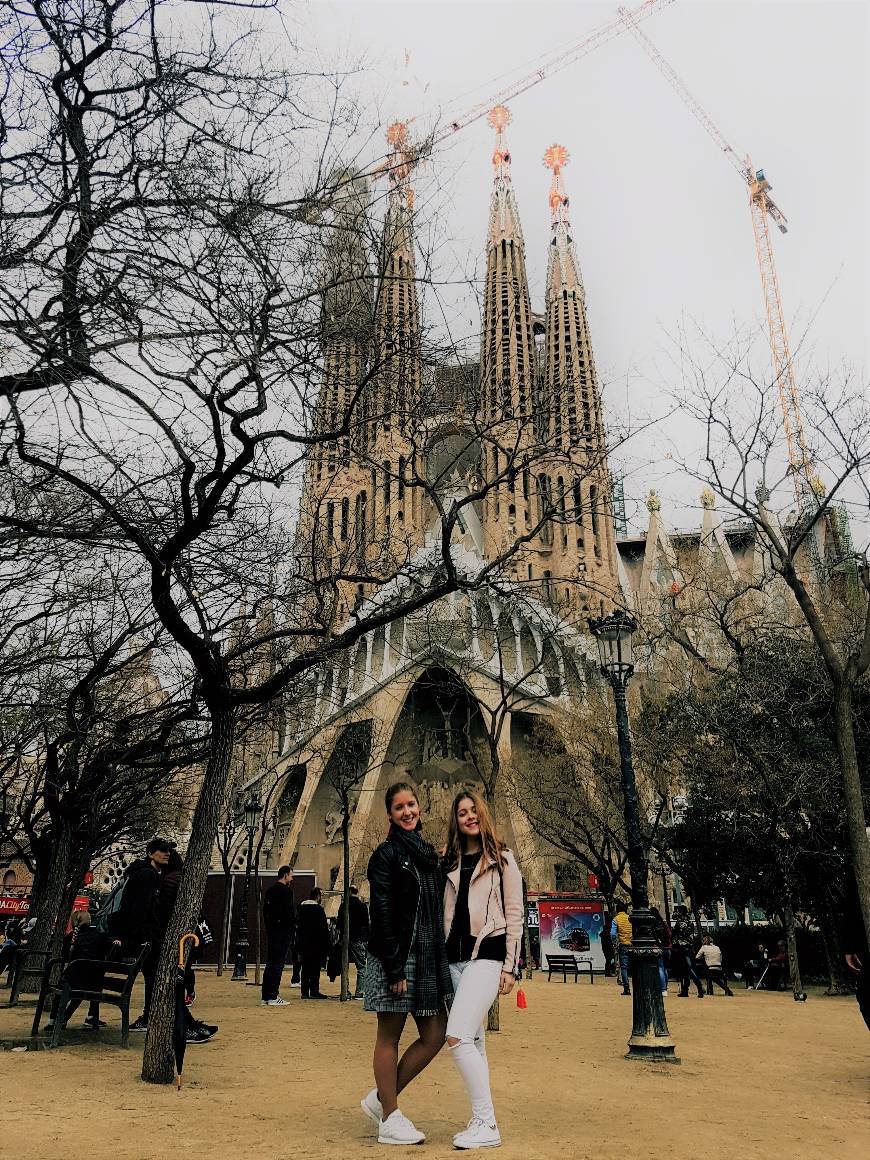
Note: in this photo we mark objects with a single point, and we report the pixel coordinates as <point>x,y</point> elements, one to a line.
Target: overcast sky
<point>660,218</point>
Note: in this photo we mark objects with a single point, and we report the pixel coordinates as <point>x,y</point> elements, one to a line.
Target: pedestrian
<point>170,880</point>
<point>312,930</point>
<point>607,944</point>
<point>84,946</point>
<point>663,938</point>
<point>711,956</point>
<point>279,919</point>
<point>778,969</point>
<point>483,926</point>
<point>754,967</point>
<point>684,940</point>
<point>407,972</point>
<point>358,936</point>
<point>854,942</point>
<point>138,917</point>
<point>620,935</point>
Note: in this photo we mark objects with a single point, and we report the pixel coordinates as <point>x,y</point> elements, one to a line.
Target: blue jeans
<point>624,964</point>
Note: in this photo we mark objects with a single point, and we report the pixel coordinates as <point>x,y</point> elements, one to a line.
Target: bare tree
<point>809,548</point>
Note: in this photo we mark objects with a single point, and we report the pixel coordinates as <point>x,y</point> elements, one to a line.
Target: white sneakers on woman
<point>371,1106</point>
<point>398,1129</point>
<point>478,1134</point>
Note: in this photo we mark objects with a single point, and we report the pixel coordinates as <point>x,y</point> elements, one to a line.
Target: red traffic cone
<point>521,999</point>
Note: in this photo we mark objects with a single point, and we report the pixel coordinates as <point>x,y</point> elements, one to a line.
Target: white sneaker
<point>478,1134</point>
<point>275,1003</point>
<point>372,1107</point>
<point>398,1129</point>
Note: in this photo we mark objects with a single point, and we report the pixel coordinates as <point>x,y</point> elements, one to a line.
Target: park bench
<point>115,989</point>
<point>568,965</point>
<point>20,971</point>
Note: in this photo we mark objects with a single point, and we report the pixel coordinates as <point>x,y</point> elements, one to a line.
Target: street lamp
<point>650,1038</point>
<point>252,820</point>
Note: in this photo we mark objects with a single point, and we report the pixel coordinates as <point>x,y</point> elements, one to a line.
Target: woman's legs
<point>386,1060</point>
<point>422,1051</point>
<point>393,1075</point>
<point>475,988</point>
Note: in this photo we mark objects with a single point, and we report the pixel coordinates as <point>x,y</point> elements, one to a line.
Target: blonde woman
<point>406,970</point>
<point>483,926</point>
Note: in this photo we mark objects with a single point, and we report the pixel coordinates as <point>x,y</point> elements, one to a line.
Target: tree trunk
<point>791,940</point>
<point>47,934</point>
<point>345,894</point>
<point>859,842</point>
<point>158,1065</point>
<point>840,983</point>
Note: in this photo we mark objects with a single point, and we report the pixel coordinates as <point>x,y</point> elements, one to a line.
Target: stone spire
<point>346,310</point>
<point>397,312</point>
<point>507,370</point>
<point>571,387</point>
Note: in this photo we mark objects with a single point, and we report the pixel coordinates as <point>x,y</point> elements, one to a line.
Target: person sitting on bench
<point>86,942</point>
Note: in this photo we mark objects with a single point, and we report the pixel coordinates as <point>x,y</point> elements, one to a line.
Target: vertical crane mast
<point>762,207</point>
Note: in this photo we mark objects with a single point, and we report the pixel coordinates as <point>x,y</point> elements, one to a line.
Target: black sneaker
<point>211,1028</point>
<point>197,1034</point>
<point>95,1024</point>
<point>139,1024</point>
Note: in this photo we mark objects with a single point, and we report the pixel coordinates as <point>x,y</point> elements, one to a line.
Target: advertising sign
<point>19,906</point>
<point>571,926</point>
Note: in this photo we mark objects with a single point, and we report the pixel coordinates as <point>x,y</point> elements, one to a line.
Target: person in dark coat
<point>84,942</point>
<point>312,932</point>
<point>358,936</point>
<point>279,919</point>
<point>139,917</point>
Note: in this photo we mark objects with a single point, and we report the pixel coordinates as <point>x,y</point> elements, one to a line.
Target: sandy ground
<point>761,1076</point>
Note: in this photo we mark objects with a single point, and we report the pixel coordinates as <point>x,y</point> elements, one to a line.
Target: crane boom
<point>762,206</point>
<point>601,36</point>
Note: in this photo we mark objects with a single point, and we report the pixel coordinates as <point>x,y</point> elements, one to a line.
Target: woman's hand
<point>506,983</point>
<point>400,988</point>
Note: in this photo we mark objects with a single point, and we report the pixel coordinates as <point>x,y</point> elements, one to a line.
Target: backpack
<point>110,907</point>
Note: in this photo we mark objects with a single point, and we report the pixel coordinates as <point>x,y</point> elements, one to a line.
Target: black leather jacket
<point>394,899</point>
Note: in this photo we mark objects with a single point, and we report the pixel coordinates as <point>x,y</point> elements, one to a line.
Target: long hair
<point>398,787</point>
<point>493,847</point>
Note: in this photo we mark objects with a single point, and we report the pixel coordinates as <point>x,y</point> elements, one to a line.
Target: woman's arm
<point>383,931</point>
<point>512,881</point>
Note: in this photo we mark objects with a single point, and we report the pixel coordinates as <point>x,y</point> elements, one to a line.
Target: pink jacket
<point>485,911</point>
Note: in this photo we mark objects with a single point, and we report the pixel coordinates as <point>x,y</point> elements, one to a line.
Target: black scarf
<point>432,982</point>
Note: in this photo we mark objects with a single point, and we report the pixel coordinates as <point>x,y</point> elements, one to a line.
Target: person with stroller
<point>711,956</point>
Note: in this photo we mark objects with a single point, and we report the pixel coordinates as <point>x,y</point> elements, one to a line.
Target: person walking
<point>357,936</point>
<point>483,926</point>
<point>711,956</point>
<point>407,972</point>
<point>663,937</point>
<point>312,931</point>
<point>138,917</point>
<point>684,939</point>
<point>279,919</point>
<point>620,934</point>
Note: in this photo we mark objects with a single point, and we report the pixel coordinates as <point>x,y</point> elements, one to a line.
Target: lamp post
<point>650,1038</point>
<point>252,819</point>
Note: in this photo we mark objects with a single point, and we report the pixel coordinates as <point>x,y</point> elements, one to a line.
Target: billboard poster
<point>571,926</point>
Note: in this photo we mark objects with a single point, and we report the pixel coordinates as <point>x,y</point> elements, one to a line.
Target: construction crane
<point>404,155</point>
<point>762,207</point>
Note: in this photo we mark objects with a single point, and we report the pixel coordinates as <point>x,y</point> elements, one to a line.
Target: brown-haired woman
<point>483,925</point>
<point>406,970</point>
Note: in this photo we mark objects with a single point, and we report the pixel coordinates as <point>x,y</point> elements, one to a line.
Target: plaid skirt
<point>379,997</point>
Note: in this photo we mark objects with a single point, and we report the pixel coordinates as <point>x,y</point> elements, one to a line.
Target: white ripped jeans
<point>475,986</point>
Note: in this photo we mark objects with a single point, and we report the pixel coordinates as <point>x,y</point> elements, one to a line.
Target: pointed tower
<point>570,406</point>
<point>507,351</point>
<point>397,312</point>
